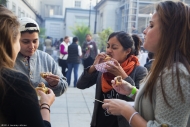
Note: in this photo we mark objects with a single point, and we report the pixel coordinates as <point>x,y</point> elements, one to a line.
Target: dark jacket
<point>148,65</point>
<point>86,80</point>
<point>73,56</point>
<point>19,105</point>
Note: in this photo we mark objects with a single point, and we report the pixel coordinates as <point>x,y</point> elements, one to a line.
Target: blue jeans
<point>70,67</point>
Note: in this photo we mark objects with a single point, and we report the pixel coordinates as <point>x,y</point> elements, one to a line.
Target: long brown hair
<point>173,46</point>
<point>9,30</point>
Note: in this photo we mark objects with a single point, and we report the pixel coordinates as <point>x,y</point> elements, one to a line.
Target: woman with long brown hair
<point>19,105</point>
<point>164,99</point>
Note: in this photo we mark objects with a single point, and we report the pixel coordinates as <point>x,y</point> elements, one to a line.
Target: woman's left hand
<point>52,80</point>
<point>117,106</point>
<point>116,69</point>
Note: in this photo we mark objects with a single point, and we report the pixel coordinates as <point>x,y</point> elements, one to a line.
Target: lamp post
<point>95,23</point>
<point>89,14</point>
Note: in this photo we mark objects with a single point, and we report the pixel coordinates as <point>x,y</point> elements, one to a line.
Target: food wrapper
<point>101,67</point>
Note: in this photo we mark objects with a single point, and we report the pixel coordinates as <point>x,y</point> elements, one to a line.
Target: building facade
<point>77,16</point>
<point>106,14</point>
<point>78,12</point>
<point>131,16</point>
<point>52,12</point>
<point>26,8</point>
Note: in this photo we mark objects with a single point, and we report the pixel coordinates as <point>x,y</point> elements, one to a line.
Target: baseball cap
<point>24,21</point>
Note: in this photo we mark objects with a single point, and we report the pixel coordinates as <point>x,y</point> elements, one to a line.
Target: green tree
<point>103,37</point>
<point>80,31</point>
<point>42,37</point>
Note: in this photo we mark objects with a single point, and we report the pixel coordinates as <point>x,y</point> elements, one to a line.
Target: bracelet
<point>44,104</point>
<point>133,92</point>
<point>132,117</point>
<point>45,108</point>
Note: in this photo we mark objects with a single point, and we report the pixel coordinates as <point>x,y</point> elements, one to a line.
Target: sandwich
<point>118,80</point>
<point>107,58</point>
<point>44,74</point>
<point>42,87</point>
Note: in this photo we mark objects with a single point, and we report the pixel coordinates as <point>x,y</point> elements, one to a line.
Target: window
<point>123,19</point>
<point>14,8</point>
<point>146,8</point>
<point>51,12</point>
<point>19,12</point>
<point>23,14</point>
<point>78,4</point>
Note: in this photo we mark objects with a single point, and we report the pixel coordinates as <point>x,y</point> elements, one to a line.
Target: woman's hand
<point>99,58</point>
<point>116,69</point>
<point>122,87</point>
<point>117,106</point>
<point>47,98</point>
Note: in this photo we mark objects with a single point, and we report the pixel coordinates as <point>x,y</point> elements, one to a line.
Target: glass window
<point>145,8</point>
<point>51,12</point>
<point>142,23</point>
<point>123,18</point>
<point>19,12</point>
<point>133,17</point>
<point>134,11</point>
<point>23,14</point>
<point>14,8</point>
<point>134,4</point>
<point>78,4</point>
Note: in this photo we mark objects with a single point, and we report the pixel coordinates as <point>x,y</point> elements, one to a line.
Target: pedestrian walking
<point>73,60</point>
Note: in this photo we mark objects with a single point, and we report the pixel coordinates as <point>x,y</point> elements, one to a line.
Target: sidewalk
<point>74,108</point>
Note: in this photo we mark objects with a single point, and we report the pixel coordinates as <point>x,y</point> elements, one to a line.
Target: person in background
<point>150,60</point>
<point>48,44</point>
<point>63,55</point>
<point>89,50</point>
<point>164,98</point>
<point>32,61</point>
<point>121,49</point>
<point>18,99</point>
<point>137,44</point>
<point>73,60</point>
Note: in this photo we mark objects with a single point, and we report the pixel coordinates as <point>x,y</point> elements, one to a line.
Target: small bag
<point>87,54</point>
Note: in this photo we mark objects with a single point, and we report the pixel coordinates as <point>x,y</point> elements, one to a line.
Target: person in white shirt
<point>63,55</point>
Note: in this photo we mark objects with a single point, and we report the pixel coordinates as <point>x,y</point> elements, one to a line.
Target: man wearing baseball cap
<point>32,61</point>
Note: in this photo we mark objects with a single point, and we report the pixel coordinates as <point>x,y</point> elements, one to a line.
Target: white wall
<point>70,21</point>
<point>54,28</point>
<point>109,16</point>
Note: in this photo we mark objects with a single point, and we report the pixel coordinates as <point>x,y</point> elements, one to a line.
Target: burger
<point>42,87</point>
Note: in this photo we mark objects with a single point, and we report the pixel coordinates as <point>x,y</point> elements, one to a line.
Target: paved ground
<point>74,108</point>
